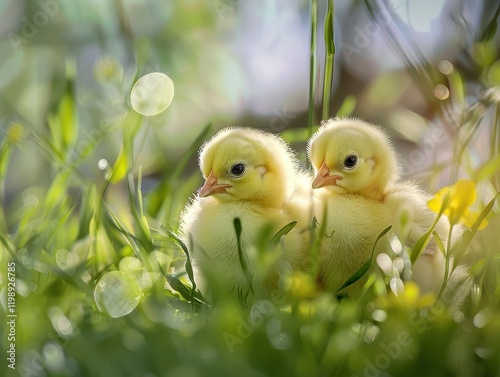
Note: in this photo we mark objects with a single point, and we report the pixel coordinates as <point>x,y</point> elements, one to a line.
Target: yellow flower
<point>460,196</point>
<point>410,297</point>
<point>302,285</point>
<point>15,133</point>
<point>108,69</point>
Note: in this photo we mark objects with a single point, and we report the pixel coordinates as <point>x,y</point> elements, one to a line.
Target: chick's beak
<point>323,178</point>
<point>211,186</point>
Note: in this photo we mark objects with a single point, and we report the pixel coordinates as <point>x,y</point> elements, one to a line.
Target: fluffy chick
<point>254,176</point>
<point>356,164</point>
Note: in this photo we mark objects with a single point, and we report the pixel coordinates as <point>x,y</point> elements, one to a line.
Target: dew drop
<point>396,245</point>
<point>384,262</point>
<point>397,286</point>
<point>102,164</point>
<point>379,315</point>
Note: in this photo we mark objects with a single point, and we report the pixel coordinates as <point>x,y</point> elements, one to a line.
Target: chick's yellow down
<point>349,225</point>
<point>357,169</point>
<point>253,176</point>
<point>352,157</point>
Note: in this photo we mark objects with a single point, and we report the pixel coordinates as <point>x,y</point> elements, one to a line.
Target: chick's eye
<point>238,169</point>
<point>350,161</point>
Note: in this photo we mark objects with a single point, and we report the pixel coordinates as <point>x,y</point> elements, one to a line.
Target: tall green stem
<point>329,55</point>
<point>5,154</point>
<point>494,138</point>
<point>312,65</point>
<point>446,266</point>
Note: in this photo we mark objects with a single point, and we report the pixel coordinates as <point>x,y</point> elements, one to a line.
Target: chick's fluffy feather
<point>381,198</point>
<point>269,195</point>
<point>352,224</point>
<point>337,139</point>
<point>268,153</point>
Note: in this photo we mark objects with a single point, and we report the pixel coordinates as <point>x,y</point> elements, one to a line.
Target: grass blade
<point>491,29</point>
<point>182,245</point>
<point>193,148</point>
<point>347,107</point>
<point>366,266</point>
<point>161,200</point>
<point>312,66</point>
<point>329,61</point>
<point>282,232</point>
<point>244,266</point>
<point>439,242</point>
<point>191,294</point>
<point>488,169</point>
<point>297,135</point>
<point>179,286</point>
<point>422,242</point>
<point>67,116</point>
<point>120,167</point>
<point>460,248</point>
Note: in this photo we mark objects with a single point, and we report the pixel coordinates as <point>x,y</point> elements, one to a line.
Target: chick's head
<point>246,164</point>
<point>352,156</point>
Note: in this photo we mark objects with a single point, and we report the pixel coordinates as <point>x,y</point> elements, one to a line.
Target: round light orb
<point>152,94</point>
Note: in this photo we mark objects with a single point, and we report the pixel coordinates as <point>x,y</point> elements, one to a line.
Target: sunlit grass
<point>105,287</point>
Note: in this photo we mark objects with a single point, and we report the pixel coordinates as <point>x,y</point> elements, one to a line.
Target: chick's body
<point>352,225</point>
<point>352,157</point>
<point>250,175</point>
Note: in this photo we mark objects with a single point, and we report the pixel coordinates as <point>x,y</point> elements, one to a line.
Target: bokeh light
<point>152,94</point>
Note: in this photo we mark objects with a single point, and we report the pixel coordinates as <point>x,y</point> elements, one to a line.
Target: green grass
<point>99,292</point>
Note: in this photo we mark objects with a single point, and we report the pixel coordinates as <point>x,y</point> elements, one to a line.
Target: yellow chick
<point>357,167</point>
<point>253,176</point>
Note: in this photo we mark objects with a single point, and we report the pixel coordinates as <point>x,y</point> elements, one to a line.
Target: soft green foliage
<point>98,295</point>
<point>106,288</point>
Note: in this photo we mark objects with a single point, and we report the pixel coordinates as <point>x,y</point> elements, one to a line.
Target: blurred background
<point>239,63</point>
<point>427,71</point>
